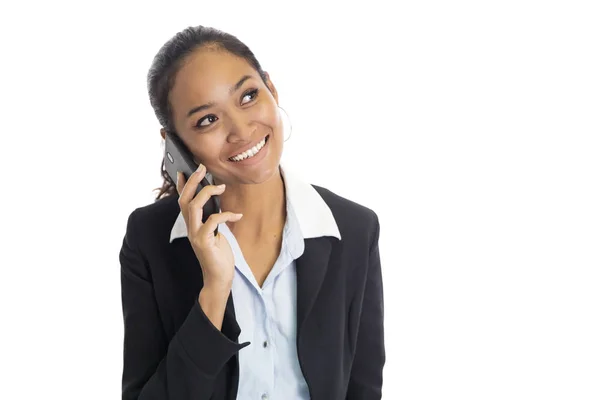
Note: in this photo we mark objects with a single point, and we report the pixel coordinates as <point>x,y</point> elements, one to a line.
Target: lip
<point>246,148</point>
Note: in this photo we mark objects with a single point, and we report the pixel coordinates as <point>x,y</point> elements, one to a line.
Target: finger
<point>180,185</point>
<point>189,189</point>
<point>214,220</point>
<point>195,207</point>
<point>180,182</point>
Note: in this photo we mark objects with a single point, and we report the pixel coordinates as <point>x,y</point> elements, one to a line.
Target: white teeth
<point>249,153</point>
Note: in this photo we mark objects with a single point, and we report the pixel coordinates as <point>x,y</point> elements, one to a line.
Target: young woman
<point>286,301</point>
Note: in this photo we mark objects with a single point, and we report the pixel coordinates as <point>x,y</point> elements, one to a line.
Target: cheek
<point>206,149</point>
<point>268,115</point>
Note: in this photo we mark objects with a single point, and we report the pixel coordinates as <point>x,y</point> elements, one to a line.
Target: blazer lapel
<point>231,328</point>
<point>311,268</point>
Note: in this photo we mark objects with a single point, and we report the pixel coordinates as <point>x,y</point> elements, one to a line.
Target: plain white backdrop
<point>471,128</point>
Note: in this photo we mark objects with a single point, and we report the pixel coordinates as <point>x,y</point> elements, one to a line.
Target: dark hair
<point>167,63</point>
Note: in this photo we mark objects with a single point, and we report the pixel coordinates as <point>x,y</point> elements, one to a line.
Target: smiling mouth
<point>250,152</point>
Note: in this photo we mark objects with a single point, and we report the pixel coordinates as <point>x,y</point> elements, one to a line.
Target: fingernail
<point>178,177</point>
<point>221,186</point>
<point>200,166</point>
<point>239,215</point>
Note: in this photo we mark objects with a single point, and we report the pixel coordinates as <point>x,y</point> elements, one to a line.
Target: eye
<point>211,117</point>
<point>253,93</point>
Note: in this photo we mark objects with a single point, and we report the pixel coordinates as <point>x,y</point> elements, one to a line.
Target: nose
<point>241,128</point>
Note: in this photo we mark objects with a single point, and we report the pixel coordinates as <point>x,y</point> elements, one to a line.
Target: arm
<point>183,369</point>
<point>366,376</point>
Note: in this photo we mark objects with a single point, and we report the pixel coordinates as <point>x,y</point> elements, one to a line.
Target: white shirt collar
<point>314,216</point>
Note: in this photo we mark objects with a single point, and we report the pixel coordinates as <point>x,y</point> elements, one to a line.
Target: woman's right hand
<point>213,252</point>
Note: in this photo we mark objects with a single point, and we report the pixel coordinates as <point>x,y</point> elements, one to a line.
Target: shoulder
<point>354,220</point>
<point>153,219</point>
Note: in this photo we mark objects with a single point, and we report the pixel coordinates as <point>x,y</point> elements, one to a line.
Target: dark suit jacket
<point>173,351</point>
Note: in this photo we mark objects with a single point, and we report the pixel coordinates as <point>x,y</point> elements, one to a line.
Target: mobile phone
<point>179,158</point>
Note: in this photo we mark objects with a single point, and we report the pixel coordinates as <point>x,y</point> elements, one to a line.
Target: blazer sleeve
<point>154,368</point>
<point>366,376</point>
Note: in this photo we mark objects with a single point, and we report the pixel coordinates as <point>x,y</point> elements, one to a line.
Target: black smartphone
<point>179,158</point>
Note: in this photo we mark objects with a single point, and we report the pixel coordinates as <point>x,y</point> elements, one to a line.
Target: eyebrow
<point>209,105</point>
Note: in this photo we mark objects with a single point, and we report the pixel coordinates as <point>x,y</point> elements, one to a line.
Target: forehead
<point>207,75</point>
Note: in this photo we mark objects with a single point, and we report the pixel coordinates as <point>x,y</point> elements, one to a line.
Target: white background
<point>470,127</point>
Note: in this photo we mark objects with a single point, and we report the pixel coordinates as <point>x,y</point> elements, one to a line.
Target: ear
<point>162,132</point>
<point>272,88</point>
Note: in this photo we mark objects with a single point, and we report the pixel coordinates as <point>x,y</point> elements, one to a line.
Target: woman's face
<point>221,108</point>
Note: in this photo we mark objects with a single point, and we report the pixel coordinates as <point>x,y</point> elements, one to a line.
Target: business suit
<point>172,350</point>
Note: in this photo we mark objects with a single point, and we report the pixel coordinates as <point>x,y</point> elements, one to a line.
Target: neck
<point>263,206</point>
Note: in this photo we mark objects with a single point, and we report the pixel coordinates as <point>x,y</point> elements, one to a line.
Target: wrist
<point>216,291</point>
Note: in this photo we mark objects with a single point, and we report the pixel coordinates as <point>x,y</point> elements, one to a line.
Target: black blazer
<point>173,351</point>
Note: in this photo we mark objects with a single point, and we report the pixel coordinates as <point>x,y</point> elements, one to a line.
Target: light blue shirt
<point>269,366</point>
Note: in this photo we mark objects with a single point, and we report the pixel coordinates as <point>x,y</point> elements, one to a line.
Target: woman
<point>286,301</point>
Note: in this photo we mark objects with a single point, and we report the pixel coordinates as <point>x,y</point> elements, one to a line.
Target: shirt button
<point>265,344</point>
<point>264,396</point>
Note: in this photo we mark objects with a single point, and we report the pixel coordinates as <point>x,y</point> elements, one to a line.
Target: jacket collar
<point>314,216</point>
